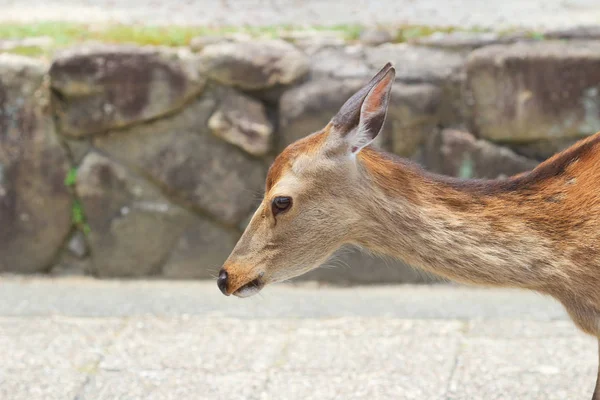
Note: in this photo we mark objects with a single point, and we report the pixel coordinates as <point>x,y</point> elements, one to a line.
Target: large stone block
<point>132,225</point>
<point>339,62</point>
<point>190,163</point>
<point>376,36</point>
<point>575,32</point>
<point>535,91</point>
<point>466,41</point>
<point>460,154</point>
<point>242,121</point>
<point>255,65</point>
<point>309,40</point>
<point>74,258</point>
<point>200,251</point>
<point>107,86</point>
<point>417,63</point>
<point>35,205</point>
<point>413,115</point>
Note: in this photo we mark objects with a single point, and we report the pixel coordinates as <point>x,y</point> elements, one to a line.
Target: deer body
<point>538,230</point>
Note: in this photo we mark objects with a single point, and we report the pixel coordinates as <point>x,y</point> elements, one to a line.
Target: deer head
<point>310,206</point>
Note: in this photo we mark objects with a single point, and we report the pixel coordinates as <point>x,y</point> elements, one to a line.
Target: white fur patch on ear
<point>357,141</point>
<point>365,133</point>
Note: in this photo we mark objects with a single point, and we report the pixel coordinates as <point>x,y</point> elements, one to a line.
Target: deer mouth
<point>250,288</point>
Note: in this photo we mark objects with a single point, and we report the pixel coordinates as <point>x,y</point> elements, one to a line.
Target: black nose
<point>222,282</point>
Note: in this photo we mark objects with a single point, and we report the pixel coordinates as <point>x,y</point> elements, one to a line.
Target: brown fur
<point>285,159</point>
<point>555,209</point>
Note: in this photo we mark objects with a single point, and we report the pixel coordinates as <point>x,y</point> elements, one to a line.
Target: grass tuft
<point>71,177</point>
<point>77,212</point>
<point>65,34</point>
<point>78,217</point>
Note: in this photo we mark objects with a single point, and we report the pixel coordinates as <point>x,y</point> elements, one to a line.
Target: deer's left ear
<point>361,118</point>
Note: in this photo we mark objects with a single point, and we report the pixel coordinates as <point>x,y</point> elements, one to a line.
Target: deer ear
<point>361,118</point>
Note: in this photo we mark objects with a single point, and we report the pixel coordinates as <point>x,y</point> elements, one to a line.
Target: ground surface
<point>83,339</point>
<point>465,13</point>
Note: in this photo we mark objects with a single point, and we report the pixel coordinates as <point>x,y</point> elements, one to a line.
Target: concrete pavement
<point>79,338</point>
<point>531,14</point>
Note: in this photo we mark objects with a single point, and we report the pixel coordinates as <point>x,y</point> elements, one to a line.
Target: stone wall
<point>124,161</point>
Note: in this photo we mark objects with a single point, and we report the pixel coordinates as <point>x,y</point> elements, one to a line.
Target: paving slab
<point>352,327</point>
<point>156,344</point>
<point>173,385</point>
<point>377,385</point>
<point>82,339</point>
<point>463,13</point>
<point>48,383</point>
<point>64,343</point>
<point>532,368</point>
<point>427,358</point>
<point>521,328</point>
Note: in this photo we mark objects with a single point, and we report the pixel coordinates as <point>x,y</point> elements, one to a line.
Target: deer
<point>538,230</point>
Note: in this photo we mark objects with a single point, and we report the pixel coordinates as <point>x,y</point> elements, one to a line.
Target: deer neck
<point>466,231</point>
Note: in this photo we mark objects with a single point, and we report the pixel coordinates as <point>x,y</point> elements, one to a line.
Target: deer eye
<point>281,204</point>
